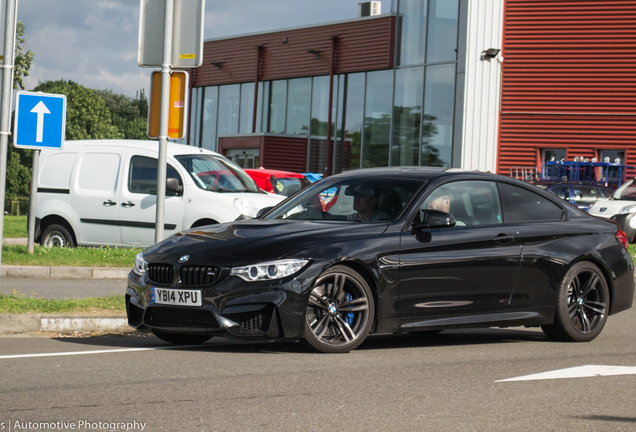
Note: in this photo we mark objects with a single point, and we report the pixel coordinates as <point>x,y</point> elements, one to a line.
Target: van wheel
<point>56,236</point>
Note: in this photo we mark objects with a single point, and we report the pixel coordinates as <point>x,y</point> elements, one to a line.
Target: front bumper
<point>230,307</point>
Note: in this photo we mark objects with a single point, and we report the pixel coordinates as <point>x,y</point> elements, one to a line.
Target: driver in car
<point>365,202</point>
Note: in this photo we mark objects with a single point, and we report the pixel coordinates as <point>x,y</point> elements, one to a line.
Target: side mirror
<point>172,185</point>
<point>434,219</point>
<point>262,211</point>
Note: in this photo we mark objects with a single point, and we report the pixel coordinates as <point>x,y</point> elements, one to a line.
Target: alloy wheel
<point>339,311</point>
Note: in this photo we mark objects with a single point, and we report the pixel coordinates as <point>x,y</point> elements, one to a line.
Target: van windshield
<point>218,174</point>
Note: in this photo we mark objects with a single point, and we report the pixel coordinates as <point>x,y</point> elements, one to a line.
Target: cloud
<point>94,42</point>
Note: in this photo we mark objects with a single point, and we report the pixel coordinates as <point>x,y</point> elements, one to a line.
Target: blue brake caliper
<point>349,317</point>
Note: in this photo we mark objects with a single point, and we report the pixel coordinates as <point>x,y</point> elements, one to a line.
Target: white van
<point>103,192</point>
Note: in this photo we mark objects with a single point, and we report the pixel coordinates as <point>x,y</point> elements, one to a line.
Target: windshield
<point>626,192</point>
<point>216,173</point>
<point>359,199</point>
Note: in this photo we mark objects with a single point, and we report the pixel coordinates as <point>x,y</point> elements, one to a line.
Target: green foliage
<point>18,303</point>
<point>18,172</point>
<point>70,257</point>
<point>15,226</point>
<point>87,116</point>
<point>128,115</point>
<point>23,59</point>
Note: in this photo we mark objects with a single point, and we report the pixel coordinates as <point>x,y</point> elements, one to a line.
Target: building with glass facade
<point>407,87</point>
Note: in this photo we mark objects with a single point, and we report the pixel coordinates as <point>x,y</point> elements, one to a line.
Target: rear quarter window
<point>522,205</point>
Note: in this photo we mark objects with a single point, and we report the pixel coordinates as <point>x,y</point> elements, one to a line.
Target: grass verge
<point>70,257</point>
<point>16,304</point>
<point>15,226</point>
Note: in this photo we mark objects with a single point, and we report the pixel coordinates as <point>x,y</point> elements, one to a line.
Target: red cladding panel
<point>569,79</point>
<point>362,45</point>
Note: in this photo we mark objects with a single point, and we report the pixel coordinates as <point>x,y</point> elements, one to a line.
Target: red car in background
<point>278,182</point>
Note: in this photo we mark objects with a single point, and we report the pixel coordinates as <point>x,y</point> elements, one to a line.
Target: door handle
<point>109,203</point>
<point>504,238</point>
<point>128,204</point>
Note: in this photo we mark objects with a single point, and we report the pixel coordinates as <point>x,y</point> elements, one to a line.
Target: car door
<point>95,196</point>
<point>542,231</point>
<point>469,268</point>
<point>138,200</point>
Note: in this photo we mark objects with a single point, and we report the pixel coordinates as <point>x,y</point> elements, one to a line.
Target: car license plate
<point>176,297</point>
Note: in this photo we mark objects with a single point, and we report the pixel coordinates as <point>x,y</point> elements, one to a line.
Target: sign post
<point>8,16</point>
<point>180,45</point>
<point>40,123</point>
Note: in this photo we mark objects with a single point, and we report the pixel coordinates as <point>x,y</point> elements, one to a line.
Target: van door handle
<point>109,203</point>
<point>128,204</point>
<point>504,238</point>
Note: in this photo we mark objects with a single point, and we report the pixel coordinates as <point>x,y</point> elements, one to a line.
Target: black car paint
<point>523,263</point>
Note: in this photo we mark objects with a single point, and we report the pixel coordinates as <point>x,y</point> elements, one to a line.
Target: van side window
<point>142,177</point>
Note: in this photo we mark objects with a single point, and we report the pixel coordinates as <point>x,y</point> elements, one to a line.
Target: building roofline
<point>300,27</point>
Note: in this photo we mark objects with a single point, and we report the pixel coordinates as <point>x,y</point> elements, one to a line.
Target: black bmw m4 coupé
<point>388,250</point>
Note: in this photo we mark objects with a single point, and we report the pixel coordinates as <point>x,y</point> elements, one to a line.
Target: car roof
<point>151,145</point>
<point>264,172</point>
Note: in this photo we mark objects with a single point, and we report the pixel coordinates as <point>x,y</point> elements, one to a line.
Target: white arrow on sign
<point>40,109</point>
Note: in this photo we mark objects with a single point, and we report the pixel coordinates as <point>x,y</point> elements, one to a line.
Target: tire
<point>582,305</point>
<point>180,338</point>
<point>340,312</point>
<point>56,236</point>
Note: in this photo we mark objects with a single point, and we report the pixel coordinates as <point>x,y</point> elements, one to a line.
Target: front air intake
<point>198,275</point>
<point>161,273</point>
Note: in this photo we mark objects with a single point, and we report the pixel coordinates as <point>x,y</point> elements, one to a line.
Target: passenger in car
<point>443,203</point>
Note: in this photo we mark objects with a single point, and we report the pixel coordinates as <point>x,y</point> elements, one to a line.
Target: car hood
<point>608,208</point>
<point>250,241</point>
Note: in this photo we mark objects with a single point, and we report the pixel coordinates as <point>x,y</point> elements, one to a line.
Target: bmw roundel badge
<point>184,258</point>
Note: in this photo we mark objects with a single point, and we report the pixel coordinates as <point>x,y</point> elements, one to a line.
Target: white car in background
<point>103,192</point>
<point>621,207</point>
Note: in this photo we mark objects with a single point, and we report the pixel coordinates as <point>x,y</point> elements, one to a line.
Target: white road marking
<point>60,354</point>
<point>578,372</point>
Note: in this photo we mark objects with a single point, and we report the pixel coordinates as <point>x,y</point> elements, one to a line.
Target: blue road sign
<point>40,120</point>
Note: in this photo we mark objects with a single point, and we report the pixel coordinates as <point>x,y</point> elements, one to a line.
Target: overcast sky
<point>94,42</point>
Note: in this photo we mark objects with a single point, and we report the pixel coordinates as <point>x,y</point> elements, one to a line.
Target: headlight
<point>269,270</point>
<point>245,207</point>
<point>627,209</point>
<point>141,266</point>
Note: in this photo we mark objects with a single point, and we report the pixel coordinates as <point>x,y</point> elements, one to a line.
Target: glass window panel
<point>319,106</point>
<point>195,116</point>
<point>339,119</point>
<point>553,155</point>
<point>277,99</point>
<point>407,116</point>
<point>377,119</point>
<point>298,95</point>
<point>471,202</point>
<point>442,31</point>
<point>266,101</point>
<point>437,120</point>
<point>613,155</point>
<point>229,109</point>
<point>412,28</point>
<point>210,105</point>
<point>354,112</point>
<point>521,205</point>
<point>259,108</point>
<point>247,108</point>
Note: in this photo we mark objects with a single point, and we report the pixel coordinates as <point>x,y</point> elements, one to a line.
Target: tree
<point>87,116</point>
<point>129,115</point>
<point>23,59</point>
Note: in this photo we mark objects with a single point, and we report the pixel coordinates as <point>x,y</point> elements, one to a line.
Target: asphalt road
<point>62,288</point>
<point>447,382</point>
